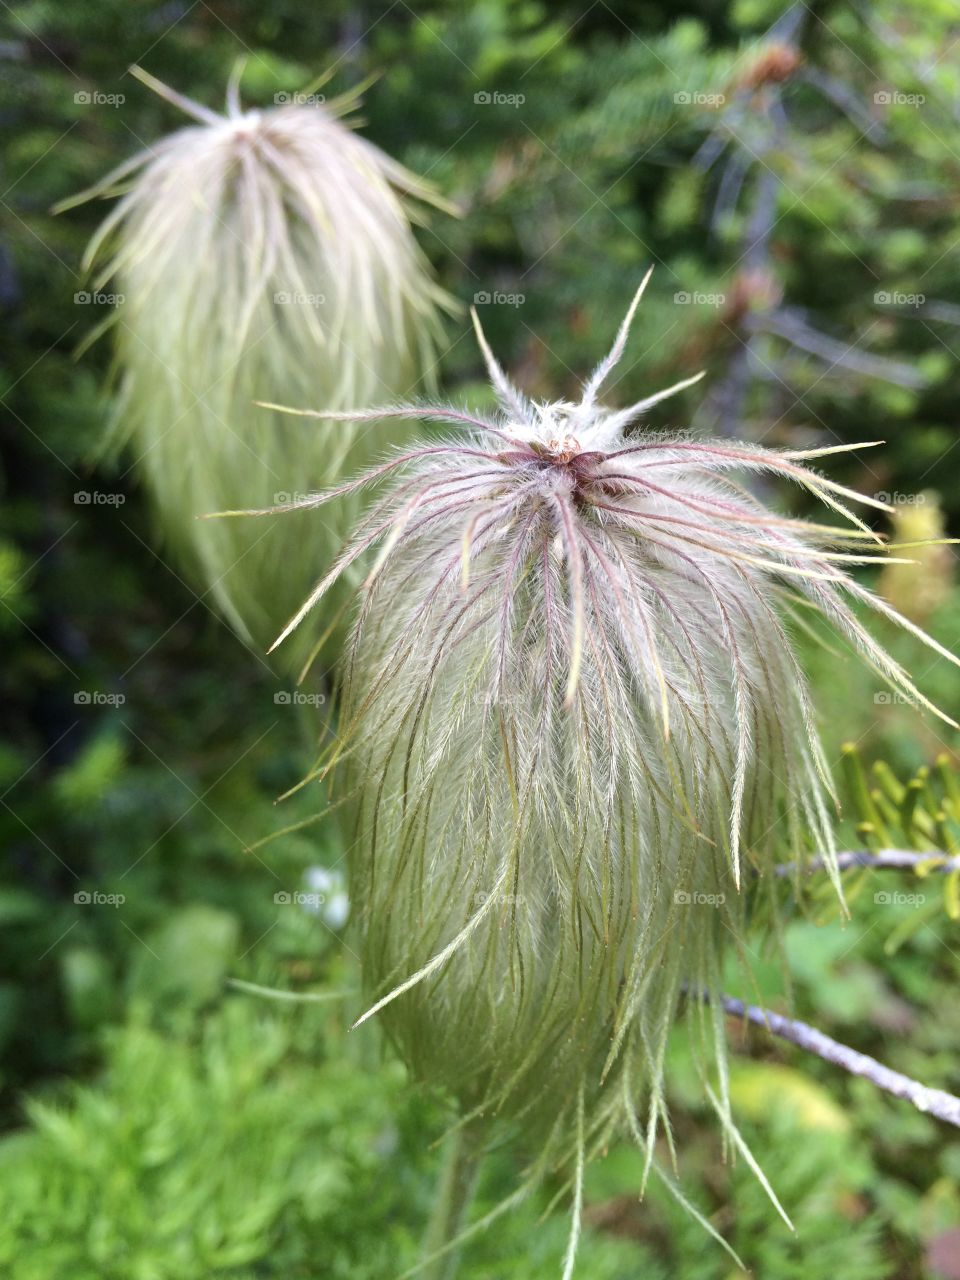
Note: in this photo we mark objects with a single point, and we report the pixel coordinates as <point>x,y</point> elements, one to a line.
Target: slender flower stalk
<point>260,255</point>
<point>572,719</point>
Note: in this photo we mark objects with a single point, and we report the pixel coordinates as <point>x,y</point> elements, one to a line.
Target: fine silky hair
<point>260,255</point>
<point>577,737</point>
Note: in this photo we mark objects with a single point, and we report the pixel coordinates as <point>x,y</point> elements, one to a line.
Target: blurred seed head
<point>262,255</point>
<point>918,590</point>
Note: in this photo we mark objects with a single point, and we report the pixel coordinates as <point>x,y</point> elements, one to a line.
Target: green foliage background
<point>159,1123</point>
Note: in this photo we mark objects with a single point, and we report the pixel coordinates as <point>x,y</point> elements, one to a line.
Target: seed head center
<point>563,448</point>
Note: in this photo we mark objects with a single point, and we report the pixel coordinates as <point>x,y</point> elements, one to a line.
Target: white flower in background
<point>330,886</point>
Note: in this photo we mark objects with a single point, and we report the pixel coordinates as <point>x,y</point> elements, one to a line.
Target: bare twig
<point>883,859</point>
<point>948,312</point>
<point>790,324</point>
<point>934,1102</point>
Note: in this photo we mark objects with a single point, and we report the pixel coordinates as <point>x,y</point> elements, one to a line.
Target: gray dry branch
<point>935,1102</point>
<point>882,860</point>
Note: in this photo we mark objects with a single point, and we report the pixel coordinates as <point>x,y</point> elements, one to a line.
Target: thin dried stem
<point>935,1102</point>
<point>881,860</point>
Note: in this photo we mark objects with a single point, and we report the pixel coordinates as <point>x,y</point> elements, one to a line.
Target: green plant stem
<point>458,1178</point>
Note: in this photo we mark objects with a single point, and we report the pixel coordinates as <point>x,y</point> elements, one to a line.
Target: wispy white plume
<point>260,255</point>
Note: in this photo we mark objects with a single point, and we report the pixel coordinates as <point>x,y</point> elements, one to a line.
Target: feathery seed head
<point>575,728</point>
<point>261,255</point>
